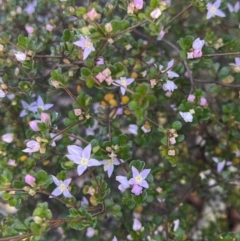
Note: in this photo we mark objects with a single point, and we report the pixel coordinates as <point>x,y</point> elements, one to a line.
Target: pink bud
<point>34,125</point>
<point>101,77</point>
<point>138,4</point>
<point>106,72</point>
<point>189,55</point>
<point>197,53</point>
<point>191,98</point>
<point>92,14</point>
<point>153,82</point>
<point>203,101</point>
<point>45,118</point>
<point>29,29</point>
<point>155,13</point>
<point>30,180</point>
<point>77,112</point>
<point>49,27</point>
<point>109,80</point>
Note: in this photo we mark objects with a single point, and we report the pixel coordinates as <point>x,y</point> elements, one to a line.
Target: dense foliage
<point>120,120</point>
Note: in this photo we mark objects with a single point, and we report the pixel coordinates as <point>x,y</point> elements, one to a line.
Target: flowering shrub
<point>120,120</point>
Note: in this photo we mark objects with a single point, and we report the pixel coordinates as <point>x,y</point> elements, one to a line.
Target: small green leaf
<point>177,125</point>
<point>66,35</point>
<point>22,41</point>
<point>85,72</point>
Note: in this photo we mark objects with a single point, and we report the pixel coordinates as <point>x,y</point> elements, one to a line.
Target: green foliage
<point>194,160</point>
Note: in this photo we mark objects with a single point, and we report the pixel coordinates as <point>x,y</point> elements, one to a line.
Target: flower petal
<point>220,13</point>
<point>217,4</point>
<point>143,183</point>
<point>57,191</point>
<point>75,158</point>
<point>81,169</point>
<point>48,106</point>
<point>135,172</point>
<point>86,52</point>
<point>145,173</point>
<point>132,181</point>
<point>40,101</point>
<point>56,181</point>
<point>220,166</point>
<point>129,81</point>
<point>67,182</point>
<point>209,15</point>
<point>110,170</point>
<point>66,193</point>
<point>75,150</point>
<point>87,151</point>
<point>123,90</point>
<point>94,162</point>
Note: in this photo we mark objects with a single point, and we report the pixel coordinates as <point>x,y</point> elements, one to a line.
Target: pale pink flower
<point>90,232</point>
<point>110,162</point>
<point>213,10</point>
<point>82,157</point>
<point>8,138</point>
<point>234,8</point>
<point>86,45</point>
<point>49,27</point>
<point>191,98</point>
<point>139,177</point>
<point>153,82</point>
<point>203,101</point>
<point>77,112</point>
<point>123,83</point>
<point>29,29</point>
<point>62,187</point>
<point>136,225</point>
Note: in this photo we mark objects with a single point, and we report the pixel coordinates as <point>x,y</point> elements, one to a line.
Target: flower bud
<point>37,220</point>
<point>30,180</point>
<point>155,13</point>
<point>108,27</point>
